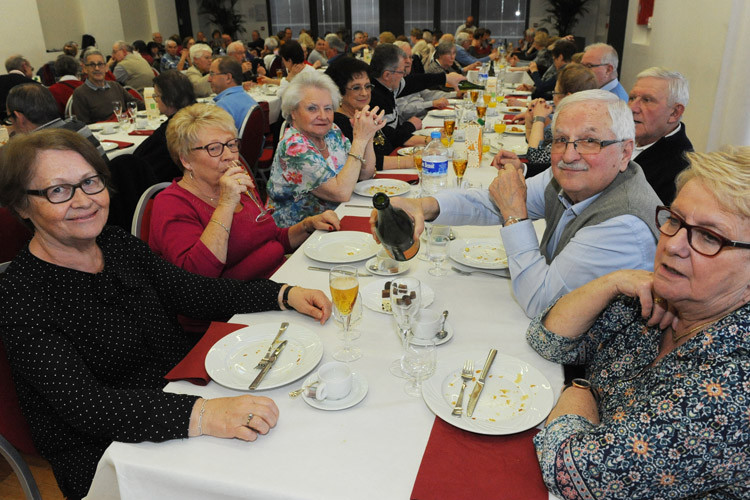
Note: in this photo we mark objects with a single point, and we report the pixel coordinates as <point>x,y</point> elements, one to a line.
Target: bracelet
<point>200,417</point>
<point>539,119</point>
<point>426,140</point>
<point>582,383</point>
<point>222,225</point>
<point>513,220</point>
<point>357,157</point>
<point>285,298</point>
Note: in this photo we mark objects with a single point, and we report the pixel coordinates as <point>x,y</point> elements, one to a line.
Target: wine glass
<point>265,212</point>
<point>416,153</point>
<point>132,110</point>
<point>406,297</point>
<point>474,94</point>
<point>437,248</point>
<point>117,109</point>
<point>344,290</point>
<point>354,320</point>
<point>460,160</point>
<point>418,363</point>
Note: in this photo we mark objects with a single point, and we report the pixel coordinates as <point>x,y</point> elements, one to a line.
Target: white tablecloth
<point>370,451</point>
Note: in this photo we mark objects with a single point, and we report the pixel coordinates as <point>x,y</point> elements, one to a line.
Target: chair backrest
<point>13,235</point>
<point>13,425</point>
<point>252,136</point>
<point>142,216</point>
<point>134,92</point>
<point>156,71</point>
<point>16,461</point>
<point>69,107</point>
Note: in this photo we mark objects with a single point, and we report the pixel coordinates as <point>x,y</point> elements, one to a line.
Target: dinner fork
<point>466,375</point>
<point>469,273</point>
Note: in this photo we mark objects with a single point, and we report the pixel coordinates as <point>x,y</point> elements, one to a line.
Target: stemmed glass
<point>117,109</point>
<point>132,110</point>
<point>437,248</point>
<point>459,161</point>
<point>344,289</point>
<point>265,212</point>
<point>355,318</point>
<point>406,297</point>
<point>418,363</point>
<point>417,157</point>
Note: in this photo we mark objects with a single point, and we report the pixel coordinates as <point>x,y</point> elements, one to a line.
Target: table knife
<point>271,361</point>
<point>264,360</point>
<point>479,384</point>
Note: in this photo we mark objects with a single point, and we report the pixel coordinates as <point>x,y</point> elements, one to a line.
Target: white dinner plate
<point>372,267</point>
<point>358,393</point>
<point>516,395</point>
<point>442,113</point>
<point>372,295</point>
<point>406,151</point>
<point>95,127</point>
<point>231,361</point>
<point>497,139</point>
<point>448,328</point>
<point>511,110</point>
<point>391,187</point>
<point>341,247</point>
<point>455,102</point>
<point>481,253</point>
<point>515,129</point>
<point>108,146</point>
<point>519,92</point>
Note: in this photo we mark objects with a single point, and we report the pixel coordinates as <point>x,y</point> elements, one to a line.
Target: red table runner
<point>193,366</point>
<point>353,223</point>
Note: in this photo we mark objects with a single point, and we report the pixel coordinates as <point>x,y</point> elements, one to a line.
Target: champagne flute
<point>474,94</point>
<point>265,212</point>
<point>481,111</point>
<point>416,153</point>
<point>487,98</point>
<point>418,362</point>
<point>460,160</point>
<point>406,297</point>
<point>344,289</point>
<point>117,109</point>
<point>437,248</point>
<point>356,318</point>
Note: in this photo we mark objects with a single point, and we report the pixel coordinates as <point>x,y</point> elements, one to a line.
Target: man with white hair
<point>171,60</point>
<point>132,69</point>
<point>658,99</point>
<point>19,71</point>
<point>336,47</point>
<point>602,59</point>
<point>463,42</point>
<point>200,54</point>
<point>597,204</point>
<point>237,51</point>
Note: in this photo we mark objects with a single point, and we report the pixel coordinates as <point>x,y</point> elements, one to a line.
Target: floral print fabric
<point>298,168</point>
<point>678,429</point>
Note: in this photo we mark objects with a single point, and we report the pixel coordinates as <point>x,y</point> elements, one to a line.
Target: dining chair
<point>69,107</point>
<point>142,216</point>
<point>19,466</point>
<point>133,92</point>
<point>14,235</point>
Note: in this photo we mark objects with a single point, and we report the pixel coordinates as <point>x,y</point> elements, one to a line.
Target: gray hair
<point>385,57</point>
<point>236,46</point>
<point>444,48</point>
<point>621,117</point>
<point>427,36</point>
<point>294,92</point>
<point>610,54</point>
<point>529,31</point>
<point>335,42</point>
<point>15,62</point>
<point>403,46</point>
<point>92,52</point>
<point>170,42</point>
<point>120,44</point>
<point>197,50</point>
<point>462,38</point>
<point>677,83</point>
<point>271,42</point>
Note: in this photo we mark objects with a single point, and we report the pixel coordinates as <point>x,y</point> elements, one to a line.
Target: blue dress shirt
<point>464,58</point>
<point>237,102</point>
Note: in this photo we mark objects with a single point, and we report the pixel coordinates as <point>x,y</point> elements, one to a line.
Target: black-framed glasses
<point>95,65</point>
<point>217,148</point>
<point>582,146</point>
<point>589,65</point>
<point>702,240</point>
<point>212,74</point>
<point>60,193</point>
<point>358,88</point>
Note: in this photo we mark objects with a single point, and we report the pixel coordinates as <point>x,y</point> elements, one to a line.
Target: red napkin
<point>193,366</point>
<point>399,177</point>
<point>120,144</point>
<point>142,132</point>
<point>352,223</point>
<point>456,462</point>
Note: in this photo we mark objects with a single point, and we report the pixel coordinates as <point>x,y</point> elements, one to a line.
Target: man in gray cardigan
<point>598,207</point>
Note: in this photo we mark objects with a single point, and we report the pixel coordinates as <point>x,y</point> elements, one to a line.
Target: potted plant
<point>221,14</point>
<point>564,14</point>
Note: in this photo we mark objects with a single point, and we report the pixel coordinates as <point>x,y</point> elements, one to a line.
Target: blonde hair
<point>726,173</point>
<point>306,41</point>
<point>187,123</point>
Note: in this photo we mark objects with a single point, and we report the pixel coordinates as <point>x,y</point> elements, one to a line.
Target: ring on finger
<point>249,418</point>
<point>659,300</point>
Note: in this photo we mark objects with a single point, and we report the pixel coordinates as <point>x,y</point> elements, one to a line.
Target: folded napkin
<point>142,132</point>
<point>193,366</point>
<point>461,464</point>
<point>399,177</point>
<point>120,144</point>
<point>352,223</point>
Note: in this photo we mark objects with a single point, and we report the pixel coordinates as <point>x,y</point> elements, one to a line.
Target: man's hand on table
<point>440,103</point>
<point>508,190</point>
<point>228,417</point>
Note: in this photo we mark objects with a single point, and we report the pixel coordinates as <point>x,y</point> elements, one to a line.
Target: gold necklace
<point>675,338</point>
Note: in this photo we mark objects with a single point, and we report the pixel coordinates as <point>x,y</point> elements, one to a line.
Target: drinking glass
<point>437,248</point>
<point>354,320</point>
<point>460,160</point>
<point>474,94</point>
<point>117,109</point>
<point>344,290</point>
<point>265,212</point>
<point>406,297</point>
<point>487,98</point>
<point>417,157</point>
<point>132,110</point>
<point>418,363</point>
<point>481,111</point>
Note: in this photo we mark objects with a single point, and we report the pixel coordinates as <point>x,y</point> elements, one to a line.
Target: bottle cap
<point>435,134</point>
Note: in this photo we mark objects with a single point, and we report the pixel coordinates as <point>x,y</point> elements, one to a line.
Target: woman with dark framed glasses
<point>212,221</point>
<point>89,318</point>
<point>664,410</point>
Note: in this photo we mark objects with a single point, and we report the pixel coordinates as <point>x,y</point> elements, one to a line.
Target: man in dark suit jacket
<point>658,100</point>
<point>19,71</point>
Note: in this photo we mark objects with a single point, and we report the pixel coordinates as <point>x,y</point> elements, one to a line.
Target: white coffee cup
<point>109,128</point>
<point>335,381</point>
<point>428,323</point>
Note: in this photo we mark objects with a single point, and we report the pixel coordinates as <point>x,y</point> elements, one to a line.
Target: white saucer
<point>448,328</point>
<point>359,391</point>
<point>371,266</point>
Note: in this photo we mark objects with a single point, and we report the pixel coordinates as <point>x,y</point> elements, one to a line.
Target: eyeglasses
<point>397,71</point>
<point>95,65</point>
<point>582,146</point>
<point>155,95</point>
<point>589,65</point>
<point>706,242</point>
<point>61,193</point>
<point>358,88</point>
<point>214,74</point>
<point>217,148</point>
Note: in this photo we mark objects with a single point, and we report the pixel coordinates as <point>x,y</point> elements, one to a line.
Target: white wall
<point>136,21</point>
<point>21,32</point>
<point>61,21</point>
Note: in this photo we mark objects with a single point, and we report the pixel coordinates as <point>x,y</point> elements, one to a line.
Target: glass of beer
<point>344,289</point>
<point>474,94</point>
<point>449,125</point>
<point>459,165</point>
<point>487,98</point>
<point>481,110</point>
<point>279,74</point>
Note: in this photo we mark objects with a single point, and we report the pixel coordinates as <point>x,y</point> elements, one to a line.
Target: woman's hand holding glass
<point>233,183</point>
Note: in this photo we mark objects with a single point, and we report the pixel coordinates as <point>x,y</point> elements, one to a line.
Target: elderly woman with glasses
<point>211,221</point>
<point>664,410</point>
<point>89,318</point>
<point>316,167</point>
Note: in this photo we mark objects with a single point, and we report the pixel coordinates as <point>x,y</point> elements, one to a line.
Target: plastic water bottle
<point>434,165</point>
<point>483,74</point>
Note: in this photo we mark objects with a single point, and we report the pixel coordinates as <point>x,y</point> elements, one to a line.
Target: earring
<point>191,174</point>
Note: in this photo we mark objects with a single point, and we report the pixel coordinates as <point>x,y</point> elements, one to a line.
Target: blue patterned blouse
<point>298,168</point>
<point>679,429</point>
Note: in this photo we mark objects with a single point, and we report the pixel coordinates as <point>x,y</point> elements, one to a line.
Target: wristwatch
<point>539,119</point>
<point>582,383</point>
<point>513,220</point>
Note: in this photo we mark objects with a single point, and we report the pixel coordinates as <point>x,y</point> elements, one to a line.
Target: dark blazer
<point>7,82</point>
<point>663,161</point>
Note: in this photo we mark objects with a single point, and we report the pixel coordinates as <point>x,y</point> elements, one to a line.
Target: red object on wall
<point>645,11</point>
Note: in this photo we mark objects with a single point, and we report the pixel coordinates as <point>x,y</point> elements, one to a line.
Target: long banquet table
<point>370,451</point>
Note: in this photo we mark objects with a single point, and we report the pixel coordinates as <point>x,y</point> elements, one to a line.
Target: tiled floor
<point>10,488</point>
